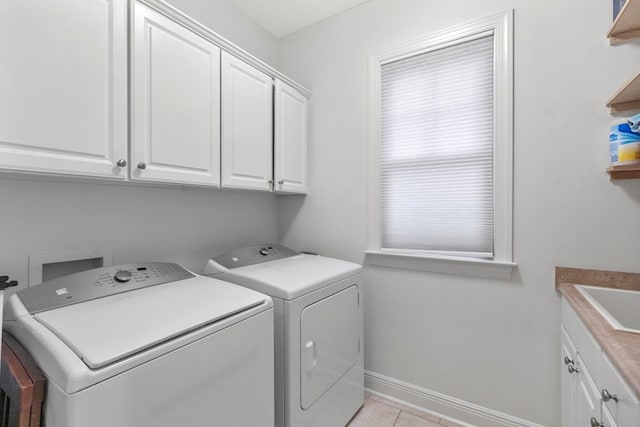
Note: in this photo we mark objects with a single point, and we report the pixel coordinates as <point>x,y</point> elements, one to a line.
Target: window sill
<point>439,264</point>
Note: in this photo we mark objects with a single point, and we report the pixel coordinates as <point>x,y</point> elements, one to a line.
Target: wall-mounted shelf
<point>627,25</point>
<point>627,97</point>
<point>624,172</point>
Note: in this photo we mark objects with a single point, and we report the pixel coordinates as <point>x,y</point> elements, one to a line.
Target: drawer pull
<point>568,361</point>
<point>572,369</point>
<point>595,422</point>
<point>606,396</point>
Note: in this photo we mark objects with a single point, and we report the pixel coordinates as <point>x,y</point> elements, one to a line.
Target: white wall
<point>140,223</point>
<point>224,17</point>
<point>185,225</point>
<point>492,343</point>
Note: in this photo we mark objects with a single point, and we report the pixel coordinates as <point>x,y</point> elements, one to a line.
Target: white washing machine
<point>148,345</point>
<point>318,329</point>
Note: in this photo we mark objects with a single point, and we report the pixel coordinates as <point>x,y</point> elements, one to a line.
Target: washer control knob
<point>122,276</point>
<point>264,251</point>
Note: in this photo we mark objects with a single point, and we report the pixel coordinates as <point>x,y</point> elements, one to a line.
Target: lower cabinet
<point>593,393</point>
<point>619,401</point>
<point>568,380</point>
<point>587,399</point>
<point>176,103</point>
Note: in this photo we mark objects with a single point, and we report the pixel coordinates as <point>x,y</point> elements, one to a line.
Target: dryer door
<point>329,343</point>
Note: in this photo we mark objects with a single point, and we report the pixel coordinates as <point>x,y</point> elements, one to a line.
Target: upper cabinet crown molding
<point>223,43</point>
<point>63,94</point>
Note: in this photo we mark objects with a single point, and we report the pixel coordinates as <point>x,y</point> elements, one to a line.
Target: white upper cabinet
<point>247,135</point>
<point>290,157</point>
<point>63,87</point>
<point>201,109</point>
<point>175,103</point>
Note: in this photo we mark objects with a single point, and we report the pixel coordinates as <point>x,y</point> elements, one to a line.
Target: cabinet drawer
<point>586,345</point>
<point>626,410</point>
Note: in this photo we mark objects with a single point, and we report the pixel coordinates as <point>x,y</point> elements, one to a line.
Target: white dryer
<point>148,345</point>
<point>318,329</point>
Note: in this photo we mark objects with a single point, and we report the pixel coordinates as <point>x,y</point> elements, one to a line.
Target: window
<point>441,151</point>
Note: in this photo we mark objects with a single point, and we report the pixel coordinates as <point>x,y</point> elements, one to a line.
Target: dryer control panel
<point>250,255</point>
<point>98,283</point>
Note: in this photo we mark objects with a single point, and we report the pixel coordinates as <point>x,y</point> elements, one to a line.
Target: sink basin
<point>621,308</point>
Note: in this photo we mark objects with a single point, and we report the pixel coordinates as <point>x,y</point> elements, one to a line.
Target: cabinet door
<point>587,399</point>
<point>63,86</point>
<point>623,405</point>
<point>568,380</point>
<point>290,139</point>
<point>247,123</point>
<point>176,98</point>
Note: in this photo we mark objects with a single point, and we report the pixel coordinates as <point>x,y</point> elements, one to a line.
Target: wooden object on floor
<point>627,24</point>
<point>22,386</point>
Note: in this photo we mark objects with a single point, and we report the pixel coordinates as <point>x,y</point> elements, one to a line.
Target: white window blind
<point>436,152</point>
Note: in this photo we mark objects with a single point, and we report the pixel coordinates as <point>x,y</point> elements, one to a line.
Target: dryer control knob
<point>264,251</point>
<point>122,276</point>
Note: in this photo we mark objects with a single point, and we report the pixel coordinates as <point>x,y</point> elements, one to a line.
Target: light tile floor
<point>380,412</point>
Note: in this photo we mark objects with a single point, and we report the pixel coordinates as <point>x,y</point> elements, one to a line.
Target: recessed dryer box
<point>51,265</point>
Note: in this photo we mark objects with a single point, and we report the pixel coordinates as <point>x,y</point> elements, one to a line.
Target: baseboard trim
<point>446,407</point>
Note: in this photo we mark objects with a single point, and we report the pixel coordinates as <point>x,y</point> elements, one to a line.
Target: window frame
<point>501,265</point>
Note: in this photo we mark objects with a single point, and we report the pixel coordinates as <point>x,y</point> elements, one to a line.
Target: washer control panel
<point>251,255</point>
<point>98,283</point>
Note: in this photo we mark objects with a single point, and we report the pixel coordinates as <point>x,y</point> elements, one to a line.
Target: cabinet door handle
<point>142,165</point>
<point>572,369</point>
<point>595,423</point>
<point>281,182</point>
<point>568,361</point>
<point>122,163</point>
<point>606,396</point>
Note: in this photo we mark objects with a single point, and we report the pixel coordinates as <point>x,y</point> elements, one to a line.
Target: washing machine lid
<point>294,276</point>
<point>106,330</point>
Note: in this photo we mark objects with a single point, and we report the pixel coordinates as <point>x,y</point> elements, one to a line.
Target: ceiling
<point>282,17</point>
